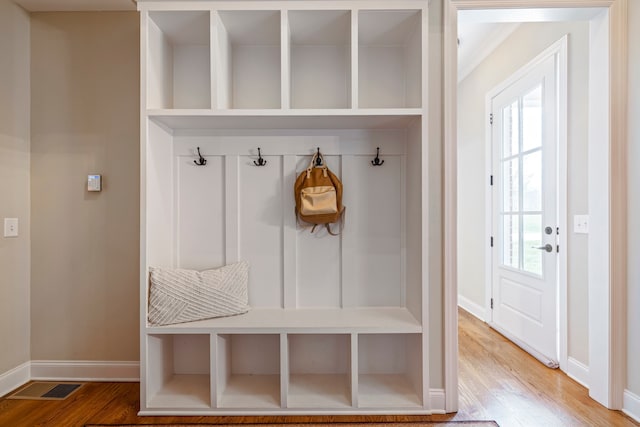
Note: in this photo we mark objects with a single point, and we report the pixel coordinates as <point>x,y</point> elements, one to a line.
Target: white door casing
<point>524,208</point>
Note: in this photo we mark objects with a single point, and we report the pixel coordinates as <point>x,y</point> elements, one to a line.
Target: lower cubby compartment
<point>390,370</point>
<point>248,371</point>
<point>319,371</point>
<point>178,371</point>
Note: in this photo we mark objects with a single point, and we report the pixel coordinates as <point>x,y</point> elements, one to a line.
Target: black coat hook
<point>201,161</point>
<point>261,161</point>
<point>377,161</point>
<point>318,158</point>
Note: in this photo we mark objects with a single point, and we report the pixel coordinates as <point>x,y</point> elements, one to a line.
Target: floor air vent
<point>39,390</point>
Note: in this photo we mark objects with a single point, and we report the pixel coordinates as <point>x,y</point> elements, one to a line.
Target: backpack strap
<point>313,226</point>
<point>302,225</point>
<point>341,224</point>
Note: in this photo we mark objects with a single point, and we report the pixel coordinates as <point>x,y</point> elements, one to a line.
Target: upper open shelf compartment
<point>178,60</point>
<point>389,58</point>
<point>247,53</point>
<point>285,59</point>
<point>320,52</point>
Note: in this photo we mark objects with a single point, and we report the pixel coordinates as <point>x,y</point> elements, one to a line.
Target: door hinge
<point>491,303</point>
<point>557,248</point>
<point>491,241</point>
<point>490,179</point>
<point>490,118</point>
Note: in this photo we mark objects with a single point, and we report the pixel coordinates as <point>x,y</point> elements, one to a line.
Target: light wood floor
<point>498,381</point>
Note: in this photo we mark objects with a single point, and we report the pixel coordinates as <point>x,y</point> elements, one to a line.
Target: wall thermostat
<point>94,183</point>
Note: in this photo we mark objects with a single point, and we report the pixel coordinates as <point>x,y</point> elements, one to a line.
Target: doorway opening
<point>604,62</point>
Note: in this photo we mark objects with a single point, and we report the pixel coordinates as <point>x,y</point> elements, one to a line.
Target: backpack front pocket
<point>318,200</point>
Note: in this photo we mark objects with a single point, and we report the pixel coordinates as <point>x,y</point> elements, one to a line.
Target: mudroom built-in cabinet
<point>337,324</point>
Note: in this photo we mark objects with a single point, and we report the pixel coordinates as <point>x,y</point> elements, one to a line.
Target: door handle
<point>547,247</point>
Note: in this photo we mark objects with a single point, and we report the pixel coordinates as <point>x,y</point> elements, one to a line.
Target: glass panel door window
<point>521,169</point>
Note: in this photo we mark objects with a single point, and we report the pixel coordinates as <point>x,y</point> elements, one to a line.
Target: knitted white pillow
<point>179,295</point>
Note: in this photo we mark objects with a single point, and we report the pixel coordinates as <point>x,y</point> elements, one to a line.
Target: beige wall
<point>522,46</point>
<point>85,246</point>
<point>14,185</point>
<point>633,291</point>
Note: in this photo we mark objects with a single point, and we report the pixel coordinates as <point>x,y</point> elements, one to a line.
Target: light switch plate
<point>94,183</point>
<point>11,227</point>
<point>581,224</point>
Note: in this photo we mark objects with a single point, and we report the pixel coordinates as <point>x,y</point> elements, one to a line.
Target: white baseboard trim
<point>578,372</point>
<point>14,378</point>
<point>631,405</point>
<point>472,307</point>
<point>84,370</point>
<point>437,400</point>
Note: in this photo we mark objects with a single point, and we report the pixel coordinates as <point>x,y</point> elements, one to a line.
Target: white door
<point>524,212</point>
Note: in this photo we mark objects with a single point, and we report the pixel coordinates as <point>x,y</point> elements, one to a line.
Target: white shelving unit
<point>337,324</point>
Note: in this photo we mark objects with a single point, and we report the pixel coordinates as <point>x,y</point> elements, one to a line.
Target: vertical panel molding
<point>232,182</point>
<point>290,232</point>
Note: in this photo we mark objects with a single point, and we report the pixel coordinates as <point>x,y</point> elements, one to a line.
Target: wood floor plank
<point>515,389</point>
<point>498,381</point>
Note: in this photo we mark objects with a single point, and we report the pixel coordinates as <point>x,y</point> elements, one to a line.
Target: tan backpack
<point>318,194</point>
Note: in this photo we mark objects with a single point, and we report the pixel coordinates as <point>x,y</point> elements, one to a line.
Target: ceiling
<point>476,40</point>
<point>75,5</point>
<point>480,32</point>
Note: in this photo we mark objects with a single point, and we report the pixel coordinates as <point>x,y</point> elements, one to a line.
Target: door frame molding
<point>607,182</point>
<point>558,48</point>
